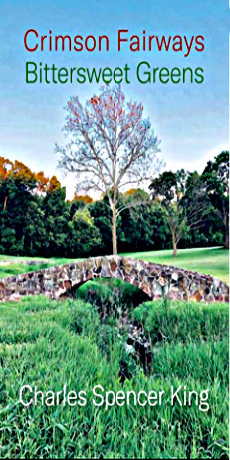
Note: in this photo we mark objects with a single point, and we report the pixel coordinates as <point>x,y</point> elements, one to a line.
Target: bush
<point>183,322</point>
<point>84,318</point>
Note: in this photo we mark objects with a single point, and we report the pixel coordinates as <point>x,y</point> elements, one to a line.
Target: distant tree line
<point>181,210</point>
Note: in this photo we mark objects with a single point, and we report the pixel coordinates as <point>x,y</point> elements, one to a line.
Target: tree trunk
<point>226,229</point>
<point>174,245</point>
<point>226,238</point>
<point>114,231</point>
<point>5,202</point>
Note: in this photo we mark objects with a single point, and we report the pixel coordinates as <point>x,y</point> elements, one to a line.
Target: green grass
<point>52,343</point>
<point>16,265</point>
<point>213,261</point>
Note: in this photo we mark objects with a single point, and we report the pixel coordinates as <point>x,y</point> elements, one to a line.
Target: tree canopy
<point>37,220</point>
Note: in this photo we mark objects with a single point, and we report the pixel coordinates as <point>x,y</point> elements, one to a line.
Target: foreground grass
<point>213,261</point>
<point>50,343</point>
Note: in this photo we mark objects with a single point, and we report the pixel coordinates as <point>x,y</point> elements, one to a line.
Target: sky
<point>192,121</point>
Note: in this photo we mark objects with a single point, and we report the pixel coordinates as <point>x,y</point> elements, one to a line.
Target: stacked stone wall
<point>155,280</point>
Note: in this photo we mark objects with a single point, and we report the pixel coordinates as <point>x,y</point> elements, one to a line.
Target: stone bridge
<point>155,280</point>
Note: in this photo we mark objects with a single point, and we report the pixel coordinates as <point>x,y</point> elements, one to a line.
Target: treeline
<point>37,220</point>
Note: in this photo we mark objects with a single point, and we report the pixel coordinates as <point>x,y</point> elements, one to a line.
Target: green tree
<point>102,215</point>
<point>216,179</point>
<point>135,230</point>
<point>17,184</point>
<point>183,200</point>
<point>34,230</point>
<point>56,215</point>
<point>84,238</point>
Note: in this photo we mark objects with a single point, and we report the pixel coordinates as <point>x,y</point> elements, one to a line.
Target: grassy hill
<point>213,261</point>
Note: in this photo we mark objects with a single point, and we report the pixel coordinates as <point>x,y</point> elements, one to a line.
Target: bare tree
<point>111,146</point>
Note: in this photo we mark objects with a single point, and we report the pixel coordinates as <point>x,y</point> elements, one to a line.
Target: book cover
<point>114,229</point>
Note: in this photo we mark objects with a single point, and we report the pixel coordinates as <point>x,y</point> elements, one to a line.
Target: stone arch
<point>155,280</point>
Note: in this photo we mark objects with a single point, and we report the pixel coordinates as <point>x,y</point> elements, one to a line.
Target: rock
<point>155,280</point>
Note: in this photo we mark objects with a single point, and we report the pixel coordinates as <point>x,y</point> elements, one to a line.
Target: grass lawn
<point>213,261</point>
<point>13,265</point>
<point>51,344</point>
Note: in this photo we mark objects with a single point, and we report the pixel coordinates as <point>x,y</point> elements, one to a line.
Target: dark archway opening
<point>109,291</point>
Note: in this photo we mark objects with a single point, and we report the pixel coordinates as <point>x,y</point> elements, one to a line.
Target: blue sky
<point>190,120</point>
